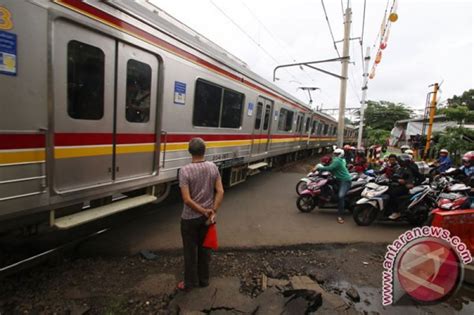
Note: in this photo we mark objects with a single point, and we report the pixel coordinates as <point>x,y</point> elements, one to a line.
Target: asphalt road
<point>260,212</point>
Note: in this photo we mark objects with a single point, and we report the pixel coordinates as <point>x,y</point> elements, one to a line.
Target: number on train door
<point>137,81</point>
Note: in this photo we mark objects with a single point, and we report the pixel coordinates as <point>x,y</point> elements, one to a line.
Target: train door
<point>137,77</point>
<point>262,126</point>
<point>83,120</point>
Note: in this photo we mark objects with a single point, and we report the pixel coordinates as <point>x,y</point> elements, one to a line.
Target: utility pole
<point>364,96</point>
<point>345,66</point>
<point>432,114</point>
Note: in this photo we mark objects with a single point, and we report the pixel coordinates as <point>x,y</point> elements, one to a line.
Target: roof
<point>403,121</point>
<point>152,15</point>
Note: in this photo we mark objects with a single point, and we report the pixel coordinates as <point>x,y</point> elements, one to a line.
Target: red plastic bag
<point>210,241</point>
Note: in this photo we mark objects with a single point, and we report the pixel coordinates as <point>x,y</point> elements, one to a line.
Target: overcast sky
<point>432,41</point>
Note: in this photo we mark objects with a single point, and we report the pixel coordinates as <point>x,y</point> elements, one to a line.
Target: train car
<point>99,98</point>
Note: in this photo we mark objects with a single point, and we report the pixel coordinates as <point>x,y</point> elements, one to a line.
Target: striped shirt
<point>200,178</point>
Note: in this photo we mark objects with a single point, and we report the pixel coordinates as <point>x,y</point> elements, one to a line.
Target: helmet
<point>468,157</point>
<point>326,160</point>
<point>444,151</point>
<point>346,147</point>
<point>409,151</point>
<point>404,147</point>
<point>360,152</point>
<point>353,148</point>
<point>404,159</point>
<point>339,152</point>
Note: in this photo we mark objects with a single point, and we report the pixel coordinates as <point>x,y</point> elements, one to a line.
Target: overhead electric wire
<point>330,29</point>
<point>248,35</point>
<point>362,34</point>
<point>277,40</point>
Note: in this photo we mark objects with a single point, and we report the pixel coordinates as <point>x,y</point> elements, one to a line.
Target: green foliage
<point>467,98</point>
<point>457,139</point>
<point>459,113</point>
<point>383,115</point>
<point>376,136</point>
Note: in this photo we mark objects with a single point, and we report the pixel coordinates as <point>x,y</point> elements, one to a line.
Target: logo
<point>426,264</point>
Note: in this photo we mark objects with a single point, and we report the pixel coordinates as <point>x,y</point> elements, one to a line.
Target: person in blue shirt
<point>444,162</point>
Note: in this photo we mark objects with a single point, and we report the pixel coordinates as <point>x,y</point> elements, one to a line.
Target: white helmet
<point>409,151</point>
<point>339,152</point>
<point>405,147</point>
<point>444,151</point>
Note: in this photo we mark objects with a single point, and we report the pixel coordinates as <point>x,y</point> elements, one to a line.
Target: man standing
<point>339,170</point>
<point>202,192</point>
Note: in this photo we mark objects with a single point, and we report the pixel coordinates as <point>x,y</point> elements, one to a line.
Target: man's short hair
<point>392,156</point>
<point>197,147</point>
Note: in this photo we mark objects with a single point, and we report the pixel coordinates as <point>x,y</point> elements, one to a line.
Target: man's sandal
<point>182,287</point>
<point>340,220</point>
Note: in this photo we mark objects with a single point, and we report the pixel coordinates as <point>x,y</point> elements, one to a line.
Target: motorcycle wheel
<point>301,186</point>
<point>364,214</point>
<point>306,203</point>
<point>420,217</point>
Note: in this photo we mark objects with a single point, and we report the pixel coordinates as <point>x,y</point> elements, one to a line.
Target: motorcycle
<point>374,201</point>
<point>312,177</point>
<point>322,192</point>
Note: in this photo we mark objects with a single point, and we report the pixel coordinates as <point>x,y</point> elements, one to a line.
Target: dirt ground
<point>135,285</point>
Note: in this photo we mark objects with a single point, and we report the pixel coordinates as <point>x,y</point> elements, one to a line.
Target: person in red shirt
<point>360,162</point>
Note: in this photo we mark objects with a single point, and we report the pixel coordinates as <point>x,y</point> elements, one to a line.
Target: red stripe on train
<point>21,141</point>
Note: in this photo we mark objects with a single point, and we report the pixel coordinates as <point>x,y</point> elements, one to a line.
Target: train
<point>100,98</point>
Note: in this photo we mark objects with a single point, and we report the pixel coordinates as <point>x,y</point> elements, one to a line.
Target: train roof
<point>152,15</point>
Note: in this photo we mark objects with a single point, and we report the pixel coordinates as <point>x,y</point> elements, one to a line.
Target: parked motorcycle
<point>375,200</point>
<point>322,192</point>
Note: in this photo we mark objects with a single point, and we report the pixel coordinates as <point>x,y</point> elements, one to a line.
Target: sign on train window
<point>85,81</point>
<point>215,106</point>
<point>137,107</point>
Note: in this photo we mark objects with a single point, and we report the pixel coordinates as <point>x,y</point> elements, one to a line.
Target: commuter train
<point>99,100</point>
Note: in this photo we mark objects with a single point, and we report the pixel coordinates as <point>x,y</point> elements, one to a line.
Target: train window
<point>137,109</point>
<point>308,125</point>
<point>85,81</point>
<point>215,106</point>
<point>285,120</point>
<point>232,109</point>
<point>258,116</point>
<point>207,105</point>
<point>298,123</point>
<point>266,120</point>
<point>325,132</point>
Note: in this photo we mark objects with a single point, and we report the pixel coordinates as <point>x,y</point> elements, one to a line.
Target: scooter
<point>312,177</point>
<point>323,193</point>
<point>375,200</point>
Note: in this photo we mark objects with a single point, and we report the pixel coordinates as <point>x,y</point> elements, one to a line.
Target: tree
<point>467,99</point>
<point>376,136</point>
<point>383,115</point>
<point>457,140</point>
<point>459,113</point>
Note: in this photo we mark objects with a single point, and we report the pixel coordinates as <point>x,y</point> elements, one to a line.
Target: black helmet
<point>404,159</point>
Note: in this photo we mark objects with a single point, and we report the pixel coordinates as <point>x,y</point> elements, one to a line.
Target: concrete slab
<point>222,293</point>
<point>157,284</point>
<point>305,283</point>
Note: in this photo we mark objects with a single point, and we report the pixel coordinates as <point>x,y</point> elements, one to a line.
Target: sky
<point>432,41</point>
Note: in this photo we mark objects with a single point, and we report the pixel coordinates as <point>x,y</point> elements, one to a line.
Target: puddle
<point>371,301</point>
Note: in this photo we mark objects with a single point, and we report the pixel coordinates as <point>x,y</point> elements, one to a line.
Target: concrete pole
<point>345,67</point>
<point>364,96</point>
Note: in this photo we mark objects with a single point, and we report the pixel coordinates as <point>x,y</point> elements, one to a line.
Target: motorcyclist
<point>339,170</point>
<point>360,161</point>
<point>390,167</point>
<point>348,156</point>
<point>401,183</point>
<point>466,171</point>
<point>444,162</point>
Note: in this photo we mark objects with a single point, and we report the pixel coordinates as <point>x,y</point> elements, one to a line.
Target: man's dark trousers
<point>196,257</point>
